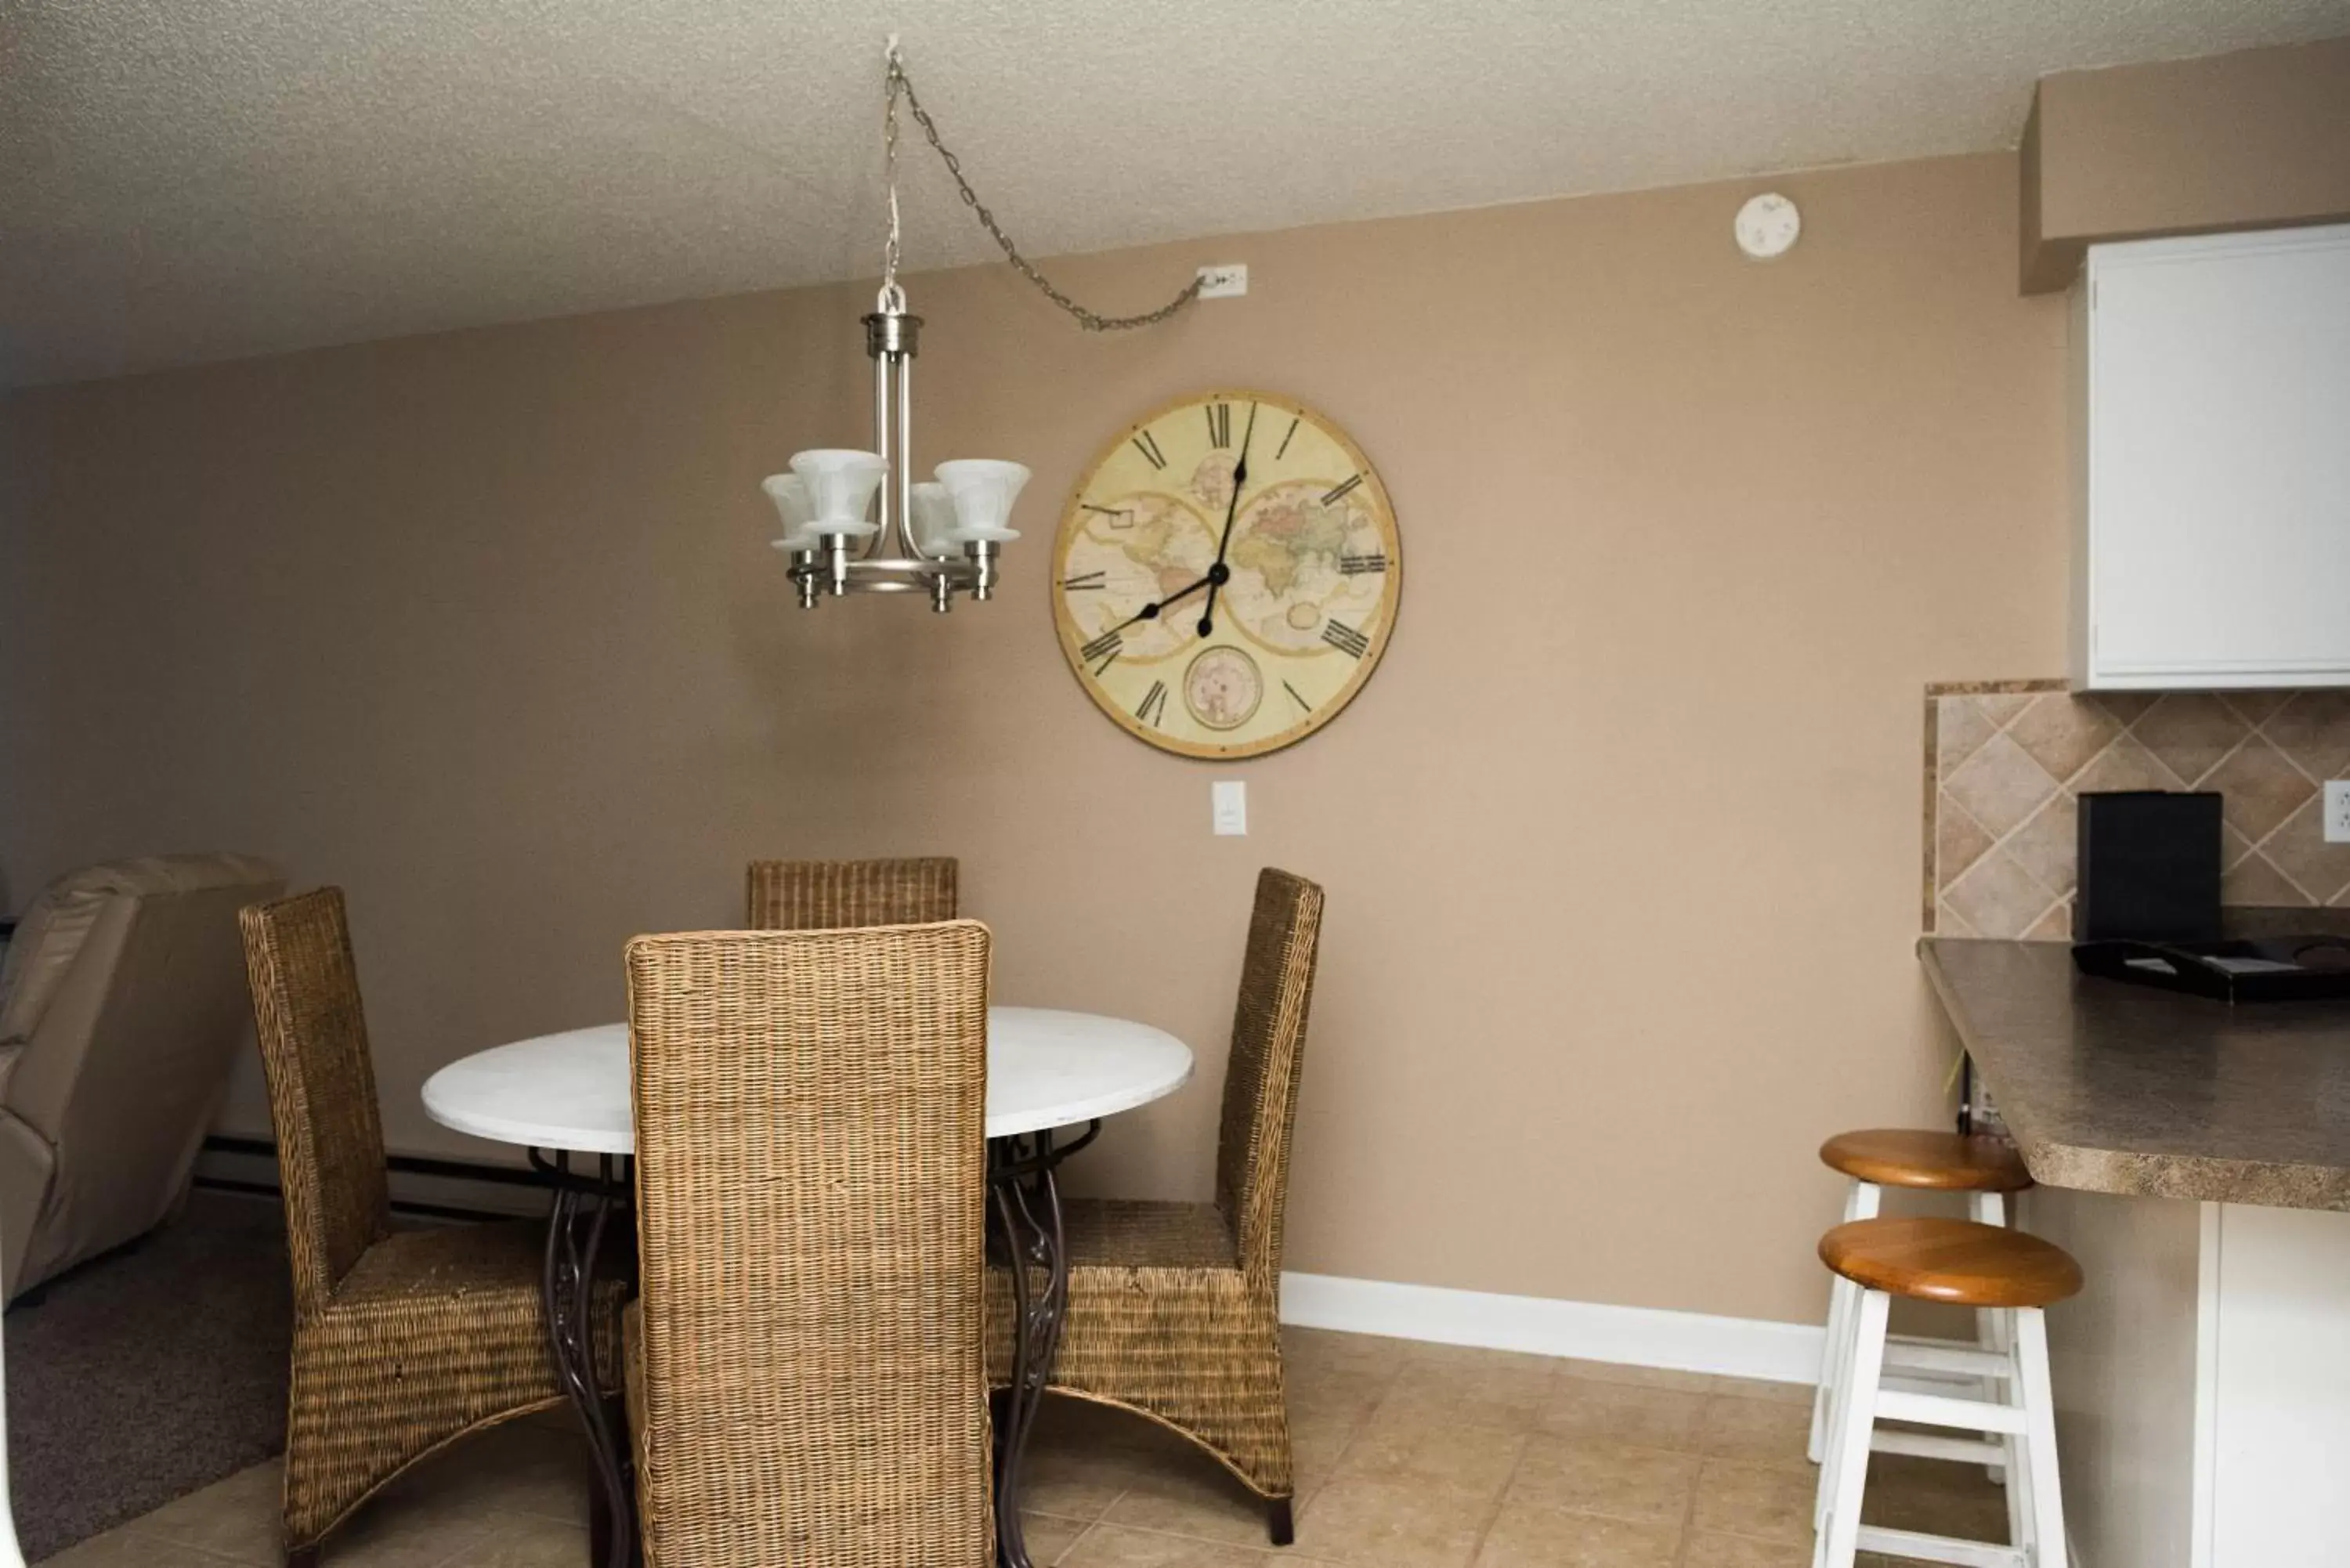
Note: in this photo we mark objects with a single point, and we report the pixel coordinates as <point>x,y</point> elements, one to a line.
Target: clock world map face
<point>1226,574</point>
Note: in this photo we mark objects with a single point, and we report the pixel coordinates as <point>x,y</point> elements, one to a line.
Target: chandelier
<point>858,521</point>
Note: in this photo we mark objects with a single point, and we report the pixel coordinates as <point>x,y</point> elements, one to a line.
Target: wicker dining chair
<point>805,1366</point>
<point>404,1341</point>
<point>837,895</point>
<point>1174,1308</point>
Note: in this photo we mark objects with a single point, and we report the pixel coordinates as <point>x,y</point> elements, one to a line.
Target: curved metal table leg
<point>1027,1205</point>
<point>583,1209</point>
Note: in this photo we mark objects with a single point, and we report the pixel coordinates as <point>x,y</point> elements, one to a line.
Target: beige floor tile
<point>520,1540</point>
<point>240,1517</point>
<point>1758,1431</point>
<point>416,1529</point>
<point>1075,1482</point>
<point>1475,1359</point>
<point>1073,1423</point>
<point>1049,1539</point>
<point>1758,1500</point>
<point>1490,1390</point>
<point>1317,1444</point>
<point>1188,1493</point>
<point>1648,1486</point>
<point>1935,1496</point>
<point>1316,1350</point>
<point>1526,1535</point>
<point>1339,1393</point>
<point>522,1467</point>
<point>1738,1552</point>
<point>1112,1546</point>
<point>1411,1443</point>
<point>1755,1388</point>
<point>1638,1377</point>
<point>1381,1521</point>
<point>123,1549</point>
<point>1648,1416</point>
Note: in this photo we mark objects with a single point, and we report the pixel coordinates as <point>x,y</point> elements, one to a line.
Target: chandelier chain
<point>1092,321</point>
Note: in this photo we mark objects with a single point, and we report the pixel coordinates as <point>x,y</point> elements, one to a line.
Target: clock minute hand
<point>1219,574</point>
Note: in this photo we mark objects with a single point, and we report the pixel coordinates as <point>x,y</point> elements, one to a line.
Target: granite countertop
<point>2119,1088</point>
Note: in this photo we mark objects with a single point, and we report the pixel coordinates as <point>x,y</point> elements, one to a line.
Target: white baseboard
<point>1590,1331</point>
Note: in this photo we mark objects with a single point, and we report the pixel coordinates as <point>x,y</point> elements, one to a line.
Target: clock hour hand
<point>1150,611</point>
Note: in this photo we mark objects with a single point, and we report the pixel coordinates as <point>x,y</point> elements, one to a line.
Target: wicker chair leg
<point>1278,1522</point>
<point>302,1557</point>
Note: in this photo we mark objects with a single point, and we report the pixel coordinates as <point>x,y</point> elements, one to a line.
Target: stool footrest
<point>1941,1410</point>
<point>1926,1446</point>
<point>1946,1357</point>
<point>1940,1548</point>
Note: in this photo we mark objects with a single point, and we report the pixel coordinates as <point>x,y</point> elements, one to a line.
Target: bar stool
<point>1986,1167</point>
<point>1963,1263</point>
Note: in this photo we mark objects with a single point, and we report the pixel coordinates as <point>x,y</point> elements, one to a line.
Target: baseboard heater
<point>421,1185</point>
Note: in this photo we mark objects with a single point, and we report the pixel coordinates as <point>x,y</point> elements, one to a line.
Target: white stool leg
<point>2017,1448</point>
<point>1859,1203</point>
<point>2047,1507</point>
<point>1990,1322</point>
<point>1845,1474</point>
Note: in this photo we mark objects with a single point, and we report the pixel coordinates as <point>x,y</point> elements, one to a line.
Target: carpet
<point>147,1374</point>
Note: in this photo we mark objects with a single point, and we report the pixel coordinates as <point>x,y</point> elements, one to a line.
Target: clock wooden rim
<point>1065,630</point>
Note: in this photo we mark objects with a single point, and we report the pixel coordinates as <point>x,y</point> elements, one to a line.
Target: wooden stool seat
<point>1931,1161</point>
<point>1954,1260</point>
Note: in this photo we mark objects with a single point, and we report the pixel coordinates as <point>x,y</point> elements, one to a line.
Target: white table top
<point>570,1091</point>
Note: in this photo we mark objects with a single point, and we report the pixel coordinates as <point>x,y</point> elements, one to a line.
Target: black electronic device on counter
<point>2148,908</point>
<point>2149,868</point>
<point>2266,968</point>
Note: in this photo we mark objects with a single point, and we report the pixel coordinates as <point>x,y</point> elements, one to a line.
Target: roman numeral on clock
<point>1220,424</point>
<point>1361,565</point>
<point>1283,450</point>
<point>1339,492</point>
<point>1148,446</point>
<point>1152,709</point>
<point>1103,649</point>
<point>1294,697</point>
<point>1345,638</point>
<point>1083,580</point>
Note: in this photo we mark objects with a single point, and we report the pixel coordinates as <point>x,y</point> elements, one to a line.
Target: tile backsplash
<point>2005,762</point>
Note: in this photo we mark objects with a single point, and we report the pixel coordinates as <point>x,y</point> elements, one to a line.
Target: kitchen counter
<point>2125,1089</point>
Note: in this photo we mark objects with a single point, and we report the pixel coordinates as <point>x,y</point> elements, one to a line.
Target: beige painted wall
<point>2252,140</point>
<point>1621,842</point>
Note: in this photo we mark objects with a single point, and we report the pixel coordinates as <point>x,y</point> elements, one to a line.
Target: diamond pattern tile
<point>2190,731</point>
<point>2012,763</point>
<point>2001,786</point>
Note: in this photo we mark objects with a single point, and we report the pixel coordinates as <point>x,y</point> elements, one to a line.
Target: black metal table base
<point>578,1227</point>
<point>1026,1202</point>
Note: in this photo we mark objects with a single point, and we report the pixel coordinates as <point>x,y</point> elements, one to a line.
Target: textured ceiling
<point>191,180</point>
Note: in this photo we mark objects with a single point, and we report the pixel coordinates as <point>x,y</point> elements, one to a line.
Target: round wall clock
<point>1226,574</point>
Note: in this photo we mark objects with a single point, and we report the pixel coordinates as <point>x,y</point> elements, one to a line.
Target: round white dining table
<point>565,1095</point>
<point>1045,1068</point>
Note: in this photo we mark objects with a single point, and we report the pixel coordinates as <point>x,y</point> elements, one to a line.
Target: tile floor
<point>1409,1456</point>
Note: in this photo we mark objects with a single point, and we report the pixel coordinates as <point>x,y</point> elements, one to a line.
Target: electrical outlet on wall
<point>2337,812</point>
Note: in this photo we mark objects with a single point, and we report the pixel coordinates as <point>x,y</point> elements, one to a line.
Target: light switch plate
<point>1228,806</point>
<point>2337,812</point>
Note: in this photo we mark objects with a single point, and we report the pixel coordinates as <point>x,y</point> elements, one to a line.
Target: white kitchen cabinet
<point>2211,429</point>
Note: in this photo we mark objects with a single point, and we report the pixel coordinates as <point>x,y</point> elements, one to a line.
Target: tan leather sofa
<point>122,1007</point>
